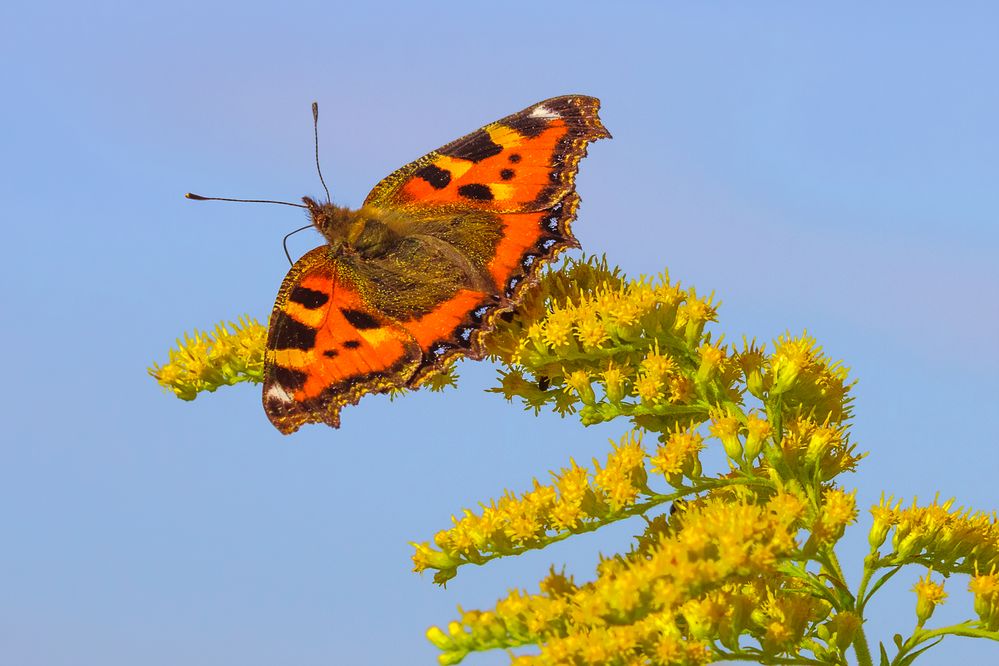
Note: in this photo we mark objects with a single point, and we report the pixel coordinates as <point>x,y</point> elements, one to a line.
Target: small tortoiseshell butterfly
<point>417,275</point>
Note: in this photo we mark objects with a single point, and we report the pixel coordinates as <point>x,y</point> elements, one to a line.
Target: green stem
<point>759,658</point>
<point>864,582</point>
<point>966,629</point>
<point>861,647</point>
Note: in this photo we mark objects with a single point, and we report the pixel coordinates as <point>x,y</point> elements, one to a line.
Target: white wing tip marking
<point>542,111</point>
<point>277,392</point>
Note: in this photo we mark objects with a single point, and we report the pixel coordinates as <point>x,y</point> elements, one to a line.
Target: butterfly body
<point>419,273</point>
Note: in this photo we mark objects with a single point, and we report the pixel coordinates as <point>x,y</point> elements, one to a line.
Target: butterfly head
<point>330,220</point>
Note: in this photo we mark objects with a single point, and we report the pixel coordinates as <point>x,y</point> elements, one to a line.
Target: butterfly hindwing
<point>326,346</point>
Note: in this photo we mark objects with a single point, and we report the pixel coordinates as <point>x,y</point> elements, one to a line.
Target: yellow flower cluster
<point>807,381</point>
<point>575,501</point>
<point>664,605</point>
<point>206,361</point>
<point>950,541</point>
<point>609,347</point>
<point>810,449</point>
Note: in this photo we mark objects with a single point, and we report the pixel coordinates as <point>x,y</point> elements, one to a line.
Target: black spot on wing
<point>291,334</point>
<point>475,147</point>
<point>360,319</point>
<point>288,378</point>
<point>308,298</point>
<point>436,176</point>
<point>331,353</point>
<point>507,174</point>
<point>476,191</point>
<point>351,344</point>
<point>514,158</point>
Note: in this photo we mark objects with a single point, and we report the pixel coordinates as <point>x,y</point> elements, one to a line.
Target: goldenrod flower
<point>929,594</point>
<point>512,524</point>
<point>206,361</point>
<point>985,588</point>
<point>677,457</point>
<point>837,510</point>
<point>614,384</point>
<point>885,516</point>
<point>757,432</point>
<point>615,615</point>
<point>957,541</point>
<point>726,428</point>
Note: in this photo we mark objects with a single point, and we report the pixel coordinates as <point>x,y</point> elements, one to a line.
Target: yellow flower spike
<point>838,510</point>
<point>725,427</point>
<point>232,353</point>
<point>513,383</point>
<point>670,650</point>
<point>788,507</point>
<point>751,361</point>
<point>884,518</point>
<point>739,608</point>
<point>758,430</point>
<point>614,384</point>
<point>579,382</point>
<point>590,330</point>
<point>790,357</point>
<point>681,389</point>
<point>985,588</point>
<point>427,557</point>
<point>693,315</point>
<point>656,365</point>
<point>650,388</point>
<point>711,358</point>
<point>440,640</point>
<point>844,626</point>
<point>678,456</point>
<point>929,594</point>
<point>703,617</point>
<point>623,478</point>
<point>558,328</point>
<point>820,441</point>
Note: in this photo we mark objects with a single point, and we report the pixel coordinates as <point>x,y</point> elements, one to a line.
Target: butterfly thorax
<point>367,231</point>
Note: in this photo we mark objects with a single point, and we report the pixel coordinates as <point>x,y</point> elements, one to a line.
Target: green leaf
<point>912,657</point>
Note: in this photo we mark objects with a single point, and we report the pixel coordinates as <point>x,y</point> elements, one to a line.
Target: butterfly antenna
<point>315,132</point>
<point>289,235</point>
<point>198,197</point>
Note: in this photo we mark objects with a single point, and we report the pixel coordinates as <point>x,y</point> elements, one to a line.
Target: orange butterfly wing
<point>522,168</point>
<point>326,346</point>
<point>522,163</point>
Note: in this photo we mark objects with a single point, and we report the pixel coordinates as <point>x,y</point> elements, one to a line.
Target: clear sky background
<point>833,170</point>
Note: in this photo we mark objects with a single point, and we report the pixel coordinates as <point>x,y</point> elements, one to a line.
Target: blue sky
<point>832,170</point>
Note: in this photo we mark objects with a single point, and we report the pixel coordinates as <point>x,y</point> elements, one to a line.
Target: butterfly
<point>419,274</point>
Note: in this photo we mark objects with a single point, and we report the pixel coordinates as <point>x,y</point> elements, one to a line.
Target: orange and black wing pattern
<point>472,223</point>
<point>522,163</point>
<point>326,346</point>
<point>521,170</point>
